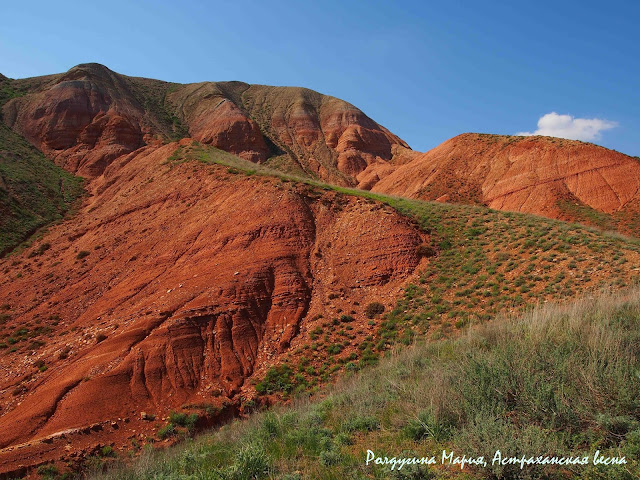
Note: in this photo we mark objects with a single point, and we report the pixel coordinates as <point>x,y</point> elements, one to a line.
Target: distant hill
<point>88,116</point>
<point>557,178</point>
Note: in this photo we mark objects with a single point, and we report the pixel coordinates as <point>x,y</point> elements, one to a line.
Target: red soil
<point>525,174</point>
<point>195,282</point>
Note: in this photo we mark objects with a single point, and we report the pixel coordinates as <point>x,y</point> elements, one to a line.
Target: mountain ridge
<point>322,136</point>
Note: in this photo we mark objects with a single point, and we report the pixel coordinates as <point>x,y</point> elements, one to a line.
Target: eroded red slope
<point>87,117</point>
<point>525,174</point>
<point>192,280</point>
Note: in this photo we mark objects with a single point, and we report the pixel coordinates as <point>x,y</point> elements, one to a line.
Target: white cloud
<point>567,126</point>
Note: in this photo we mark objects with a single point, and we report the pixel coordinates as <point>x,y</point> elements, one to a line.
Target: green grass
<point>152,96</point>
<point>33,191</point>
<point>555,381</point>
<point>10,89</point>
<point>625,220</point>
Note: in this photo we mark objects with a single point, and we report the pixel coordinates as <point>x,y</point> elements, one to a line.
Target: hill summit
<point>557,178</point>
<point>90,115</point>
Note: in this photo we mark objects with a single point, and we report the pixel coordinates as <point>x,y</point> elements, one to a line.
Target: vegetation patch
<point>34,192</point>
<point>554,381</point>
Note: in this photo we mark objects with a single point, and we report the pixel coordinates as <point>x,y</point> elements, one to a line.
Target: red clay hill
<point>553,177</point>
<point>174,285</point>
<point>90,115</point>
<point>177,283</point>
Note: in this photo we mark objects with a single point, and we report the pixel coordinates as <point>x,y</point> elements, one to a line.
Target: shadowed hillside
<point>33,191</point>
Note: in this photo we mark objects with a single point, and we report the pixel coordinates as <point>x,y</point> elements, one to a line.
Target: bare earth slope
<point>175,284</point>
<point>323,136</point>
<point>557,178</point>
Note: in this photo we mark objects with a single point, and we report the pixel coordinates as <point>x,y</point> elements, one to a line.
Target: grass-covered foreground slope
<point>555,381</point>
<point>33,190</point>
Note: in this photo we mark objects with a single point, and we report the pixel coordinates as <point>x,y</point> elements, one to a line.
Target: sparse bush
<point>425,425</point>
<point>251,463</point>
<point>48,470</point>
<point>361,424</point>
<point>166,431</point>
<point>64,353</point>
<point>330,457</point>
<point>425,250</point>
<point>183,419</point>
<point>107,451</point>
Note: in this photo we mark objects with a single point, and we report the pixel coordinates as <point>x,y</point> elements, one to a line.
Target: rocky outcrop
<point>326,137</point>
<point>329,137</point>
<point>216,120</point>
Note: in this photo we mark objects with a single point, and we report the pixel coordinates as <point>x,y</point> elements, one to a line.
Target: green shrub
<point>251,463</point>
<point>330,457</point>
<point>183,419</point>
<point>425,425</point>
<point>278,379</point>
<point>107,451</point>
<point>361,424</point>
<point>48,470</point>
<point>166,431</point>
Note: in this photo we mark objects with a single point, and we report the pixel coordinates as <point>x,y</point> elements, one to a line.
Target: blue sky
<point>426,70</point>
